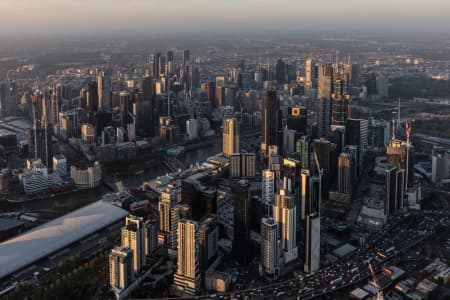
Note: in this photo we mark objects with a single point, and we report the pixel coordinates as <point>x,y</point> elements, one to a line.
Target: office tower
<point>230,96</point>
<point>54,107</point>
<point>145,84</point>
<point>339,99</point>
<point>280,71</point>
<point>88,135</point>
<point>399,155</point>
<point>162,65</point>
<point>60,164</point>
<point>133,237</point>
<point>337,137</point>
<point>310,74</point>
<point>104,91</point>
<point>297,119</point>
<point>231,137</point>
<point>242,222</point>
<point>120,268</point>
<point>3,98</point>
<point>220,96</point>
<point>40,143</point>
<point>151,235</point>
<point>310,194</point>
<point>302,147</point>
<point>92,97</point>
<point>324,117</point>
<point>243,165</point>
<point>325,81</point>
<point>208,242</point>
<point>143,115</point>
<point>169,56</point>
<point>284,213</point>
<point>209,88</point>
<point>290,137</point>
<point>440,164</point>
<point>156,64</point>
<point>269,247</point>
<point>394,190</point>
<point>168,218</point>
<point>344,174</point>
<point>68,125</point>
<point>124,105</point>
<point>291,170</point>
<point>186,56</point>
<point>187,279</point>
<point>353,73</point>
<point>312,243</point>
<point>268,187</point>
<point>322,150</point>
<point>378,134</point>
<point>356,132</point>
<point>271,120</point>
<point>199,195</point>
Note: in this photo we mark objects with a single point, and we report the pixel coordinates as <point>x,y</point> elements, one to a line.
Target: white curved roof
<point>25,249</point>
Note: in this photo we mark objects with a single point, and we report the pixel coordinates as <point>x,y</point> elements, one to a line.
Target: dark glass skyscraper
<point>271,120</point>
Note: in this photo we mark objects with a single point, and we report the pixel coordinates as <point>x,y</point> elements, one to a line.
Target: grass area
<point>437,128</point>
<point>73,279</point>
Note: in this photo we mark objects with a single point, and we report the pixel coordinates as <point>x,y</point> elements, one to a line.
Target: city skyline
<point>157,17</point>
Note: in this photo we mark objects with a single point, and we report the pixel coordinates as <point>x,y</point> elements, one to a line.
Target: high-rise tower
<point>231,137</point>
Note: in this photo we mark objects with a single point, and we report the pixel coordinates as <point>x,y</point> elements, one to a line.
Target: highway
<point>402,233</point>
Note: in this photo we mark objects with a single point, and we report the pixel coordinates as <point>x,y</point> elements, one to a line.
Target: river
<point>89,196</point>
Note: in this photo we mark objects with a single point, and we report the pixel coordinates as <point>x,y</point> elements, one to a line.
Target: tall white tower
<point>284,212</point>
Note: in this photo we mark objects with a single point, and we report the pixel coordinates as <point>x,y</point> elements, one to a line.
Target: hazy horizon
<point>159,17</point>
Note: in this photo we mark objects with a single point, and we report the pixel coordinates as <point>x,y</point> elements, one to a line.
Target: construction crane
<point>375,281</point>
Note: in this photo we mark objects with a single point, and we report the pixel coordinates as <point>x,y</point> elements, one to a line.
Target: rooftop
<point>38,243</point>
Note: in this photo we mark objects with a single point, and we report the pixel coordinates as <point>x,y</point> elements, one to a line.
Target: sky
<point>167,16</point>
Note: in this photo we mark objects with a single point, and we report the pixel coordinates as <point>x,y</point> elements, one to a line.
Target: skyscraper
<point>133,237</point>
<point>284,213</point>
<point>322,150</point>
<point>92,96</point>
<point>186,56</point>
<point>394,190</point>
<point>268,187</point>
<point>310,74</point>
<point>187,279</point>
<point>243,165</point>
<point>399,155</point>
<point>269,247</point>
<point>280,69</point>
<point>324,118</point>
<point>312,243</point>
<point>168,218</point>
<point>310,195</point>
<point>40,143</point>
<point>344,174</point>
<point>120,268</point>
<point>151,236</point>
<point>156,64</point>
<point>231,137</point>
<point>124,105</point>
<point>340,98</point>
<point>208,242</point>
<point>297,119</point>
<point>356,131</point>
<point>325,81</point>
<point>271,120</point>
<point>353,73</point>
<point>302,147</point>
<point>104,91</point>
